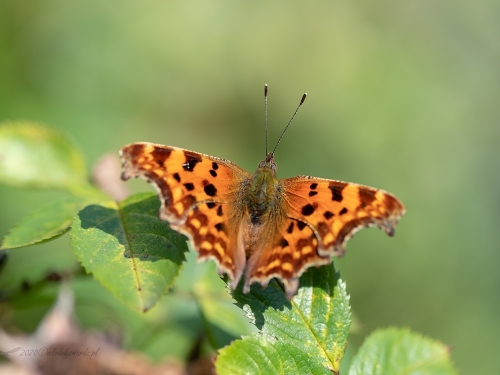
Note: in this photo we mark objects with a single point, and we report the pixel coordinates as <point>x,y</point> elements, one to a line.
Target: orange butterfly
<point>257,224</point>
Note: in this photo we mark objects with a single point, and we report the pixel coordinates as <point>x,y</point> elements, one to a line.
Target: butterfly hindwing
<point>208,227</point>
<point>286,254</point>
<point>336,209</point>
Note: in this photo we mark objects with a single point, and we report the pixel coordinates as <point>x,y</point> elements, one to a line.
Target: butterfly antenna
<point>289,122</point>
<point>265,110</point>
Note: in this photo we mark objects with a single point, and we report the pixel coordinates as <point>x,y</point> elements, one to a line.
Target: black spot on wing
<point>312,193</point>
<point>328,215</point>
<point>220,227</point>
<point>213,173</point>
<point>191,160</point>
<point>210,190</point>
<point>336,192</point>
<point>215,166</point>
<point>177,177</point>
<point>313,186</point>
<point>343,211</point>
<point>283,243</point>
<point>308,209</point>
<point>290,228</point>
<point>301,225</point>
<point>189,186</point>
<point>219,211</point>
<point>210,204</point>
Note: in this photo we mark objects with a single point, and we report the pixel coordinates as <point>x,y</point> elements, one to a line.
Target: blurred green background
<point>403,95</point>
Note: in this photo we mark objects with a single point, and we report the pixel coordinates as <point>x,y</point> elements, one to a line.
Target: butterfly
<point>257,226</point>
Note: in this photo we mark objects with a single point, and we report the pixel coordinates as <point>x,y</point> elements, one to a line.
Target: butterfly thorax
<point>263,194</point>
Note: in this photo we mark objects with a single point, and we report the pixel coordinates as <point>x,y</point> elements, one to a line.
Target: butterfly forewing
<point>183,178</point>
<point>337,209</point>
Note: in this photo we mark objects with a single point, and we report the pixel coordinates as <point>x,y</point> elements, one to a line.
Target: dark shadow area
<point>260,299</point>
<point>137,227</point>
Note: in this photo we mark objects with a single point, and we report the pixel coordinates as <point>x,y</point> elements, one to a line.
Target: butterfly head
<point>269,162</point>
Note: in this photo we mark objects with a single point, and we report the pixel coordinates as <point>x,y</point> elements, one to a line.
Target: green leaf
<point>399,351</point>
<point>46,223</point>
<point>253,355</point>
<point>305,335</point>
<point>128,249</point>
<point>34,155</point>
<point>223,321</point>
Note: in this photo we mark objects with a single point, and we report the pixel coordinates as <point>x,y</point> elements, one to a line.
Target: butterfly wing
<point>286,253</point>
<point>335,210</point>
<point>196,192</point>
